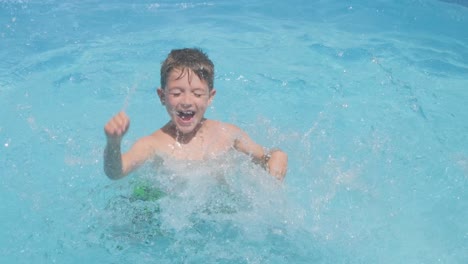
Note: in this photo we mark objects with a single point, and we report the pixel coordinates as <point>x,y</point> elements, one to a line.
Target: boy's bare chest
<point>199,148</point>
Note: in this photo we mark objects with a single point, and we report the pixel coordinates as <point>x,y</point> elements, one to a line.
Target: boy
<point>186,91</point>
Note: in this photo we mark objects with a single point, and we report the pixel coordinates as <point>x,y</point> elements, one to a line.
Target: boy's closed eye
<point>175,92</point>
<point>198,95</point>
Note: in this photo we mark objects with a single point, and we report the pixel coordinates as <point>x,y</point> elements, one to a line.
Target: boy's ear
<point>212,94</point>
<point>161,96</point>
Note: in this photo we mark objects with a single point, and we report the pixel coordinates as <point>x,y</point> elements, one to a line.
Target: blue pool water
<point>368,98</point>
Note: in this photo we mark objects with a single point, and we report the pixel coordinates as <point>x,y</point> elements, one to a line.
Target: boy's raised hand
<point>117,126</point>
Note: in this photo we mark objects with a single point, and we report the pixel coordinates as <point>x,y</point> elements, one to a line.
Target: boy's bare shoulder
<point>224,130</point>
<point>215,125</point>
<point>154,141</point>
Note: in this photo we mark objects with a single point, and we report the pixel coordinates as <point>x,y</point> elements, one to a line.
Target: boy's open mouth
<point>186,115</point>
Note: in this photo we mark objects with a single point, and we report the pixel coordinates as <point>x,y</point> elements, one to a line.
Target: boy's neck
<point>181,138</point>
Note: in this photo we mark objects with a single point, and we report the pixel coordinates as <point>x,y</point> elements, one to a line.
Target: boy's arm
<point>115,129</point>
<point>113,166</point>
<point>118,165</point>
<point>274,161</point>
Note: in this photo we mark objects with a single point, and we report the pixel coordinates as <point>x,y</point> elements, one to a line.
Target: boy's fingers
<point>111,129</point>
<point>122,120</point>
<point>117,126</point>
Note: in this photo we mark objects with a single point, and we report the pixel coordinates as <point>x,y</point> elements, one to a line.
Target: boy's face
<point>186,98</point>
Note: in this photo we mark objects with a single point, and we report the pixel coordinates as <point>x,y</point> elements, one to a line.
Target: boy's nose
<point>186,101</point>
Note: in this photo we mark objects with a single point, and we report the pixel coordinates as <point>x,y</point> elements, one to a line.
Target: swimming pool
<point>368,98</point>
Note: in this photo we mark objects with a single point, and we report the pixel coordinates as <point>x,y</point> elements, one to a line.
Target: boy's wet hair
<point>188,59</point>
